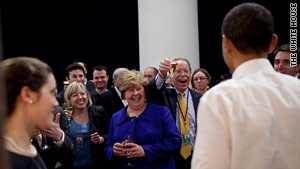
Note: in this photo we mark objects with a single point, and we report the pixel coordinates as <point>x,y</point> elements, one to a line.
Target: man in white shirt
<point>282,62</point>
<point>252,120</point>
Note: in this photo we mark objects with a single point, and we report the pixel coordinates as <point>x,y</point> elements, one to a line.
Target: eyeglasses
<point>201,79</point>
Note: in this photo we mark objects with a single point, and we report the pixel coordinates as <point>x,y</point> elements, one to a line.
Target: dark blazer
<point>89,86</point>
<point>167,96</point>
<point>98,122</point>
<point>60,98</point>
<point>94,96</point>
<point>111,102</point>
<point>66,153</point>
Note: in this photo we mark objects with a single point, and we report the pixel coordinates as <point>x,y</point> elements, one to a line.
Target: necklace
<point>11,145</point>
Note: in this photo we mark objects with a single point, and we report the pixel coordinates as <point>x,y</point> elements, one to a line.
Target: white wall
<point>168,29</point>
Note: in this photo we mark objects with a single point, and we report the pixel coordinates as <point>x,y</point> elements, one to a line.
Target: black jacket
<point>111,102</point>
<point>98,122</point>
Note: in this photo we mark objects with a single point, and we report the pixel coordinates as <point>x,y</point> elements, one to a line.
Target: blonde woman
<point>89,128</point>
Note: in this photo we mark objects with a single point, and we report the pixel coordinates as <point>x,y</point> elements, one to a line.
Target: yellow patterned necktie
<point>185,150</point>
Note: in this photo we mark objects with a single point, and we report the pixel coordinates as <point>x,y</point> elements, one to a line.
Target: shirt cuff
<point>159,81</point>
<point>60,142</point>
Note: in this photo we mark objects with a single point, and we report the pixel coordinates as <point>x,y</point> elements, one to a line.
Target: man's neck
<point>202,91</point>
<point>102,90</point>
<point>241,58</point>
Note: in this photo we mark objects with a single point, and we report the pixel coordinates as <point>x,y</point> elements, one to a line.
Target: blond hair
<point>72,88</point>
<point>130,79</point>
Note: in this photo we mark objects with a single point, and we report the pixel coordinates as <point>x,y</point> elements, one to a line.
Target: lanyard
<point>187,105</point>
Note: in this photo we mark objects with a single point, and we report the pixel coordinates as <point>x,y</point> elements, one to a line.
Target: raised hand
<point>164,67</point>
<point>54,131</point>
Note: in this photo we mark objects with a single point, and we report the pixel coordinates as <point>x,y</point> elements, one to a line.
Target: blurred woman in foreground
<point>31,101</point>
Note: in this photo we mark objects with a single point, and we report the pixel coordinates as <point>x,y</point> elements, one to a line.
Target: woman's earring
<point>30,101</point>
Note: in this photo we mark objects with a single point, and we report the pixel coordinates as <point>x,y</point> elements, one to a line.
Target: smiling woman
<point>132,89</point>
<point>141,135</point>
<point>30,84</point>
<point>89,128</point>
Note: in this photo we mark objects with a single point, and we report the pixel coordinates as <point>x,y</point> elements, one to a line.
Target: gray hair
<point>116,72</point>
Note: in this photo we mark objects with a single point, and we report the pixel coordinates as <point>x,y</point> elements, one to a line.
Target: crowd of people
<point>155,119</point>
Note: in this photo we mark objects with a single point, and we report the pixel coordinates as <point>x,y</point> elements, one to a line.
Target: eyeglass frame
<point>201,78</point>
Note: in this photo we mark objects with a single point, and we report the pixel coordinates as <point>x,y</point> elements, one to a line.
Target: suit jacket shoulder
<point>167,96</point>
<point>196,98</point>
<point>60,97</point>
<point>90,86</point>
<point>111,102</point>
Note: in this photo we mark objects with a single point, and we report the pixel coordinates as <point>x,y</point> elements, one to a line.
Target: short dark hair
<point>286,48</point>
<point>250,27</point>
<point>73,66</point>
<point>84,64</point>
<point>99,68</point>
<point>154,70</point>
<point>20,72</point>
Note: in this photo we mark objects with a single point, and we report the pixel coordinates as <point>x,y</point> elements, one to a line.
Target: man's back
<point>256,121</point>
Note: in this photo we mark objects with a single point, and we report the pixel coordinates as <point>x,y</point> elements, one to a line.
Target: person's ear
<point>26,94</point>
<point>273,43</point>
<point>227,44</point>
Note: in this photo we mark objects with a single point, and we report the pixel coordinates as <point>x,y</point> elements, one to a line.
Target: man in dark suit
<point>182,102</point>
<point>112,100</point>
<point>55,144</point>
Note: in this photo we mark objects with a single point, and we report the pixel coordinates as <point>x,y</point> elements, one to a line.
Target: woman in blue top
<point>89,127</point>
<point>151,127</point>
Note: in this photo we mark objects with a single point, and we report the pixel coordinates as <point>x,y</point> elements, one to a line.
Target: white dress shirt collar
<point>125,103</point>
<point>255,65</point>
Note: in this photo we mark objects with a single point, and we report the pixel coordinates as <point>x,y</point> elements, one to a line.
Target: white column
<point>168,29</point>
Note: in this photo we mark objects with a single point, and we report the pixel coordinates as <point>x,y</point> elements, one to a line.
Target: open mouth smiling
<point>182,79</point>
